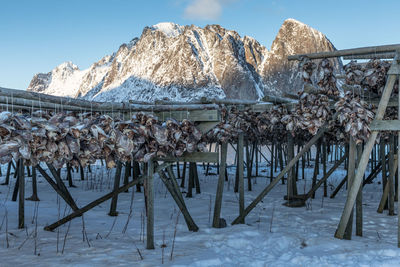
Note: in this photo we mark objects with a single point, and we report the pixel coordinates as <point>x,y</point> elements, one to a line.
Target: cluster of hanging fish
<point>264,127</point>
<point>369,78</point>
<point>354,117</point>
<point>83,138</point>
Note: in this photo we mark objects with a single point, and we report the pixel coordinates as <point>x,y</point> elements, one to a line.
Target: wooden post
<point>350,177</point>
<point>21,203</point>
<point>351,197</point>
<point>338,187</point>
<point>191,181</point>
<point>391,176</point>
<point>127,173</point>
<point>150,205</point>
<point>184,174</point>
<point>272,163</point>
<point>117,178</point>
<point>324,167</point>
<point>398,175</point>
<point>359,216</point>
<point>248,164</point>
<point>291,181</point>
<point>240,174</point>
<point>69,176</point>
<point>82,172</point>
<point>220,188</point>
<point>383,164</point>
<point>136,174</point>
<point>316,167</point>
<point>196,178</point>
<point>6,182</point>
<point>34,196</point>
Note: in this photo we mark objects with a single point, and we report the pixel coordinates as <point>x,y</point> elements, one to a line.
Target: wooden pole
<point>34,196</point>
<point>316,167</point>
<point>359,214</point>
<point>6,182</point>
<point>21,202</point>
<point>117,179</point>
<point>127,173</point>
<point>240,174</point>
<point>391,176</point>
<point>150,205</point>
<point>350,177</point>
<point>220,188</point>
<point>351,197</point>
<point>324,156</point>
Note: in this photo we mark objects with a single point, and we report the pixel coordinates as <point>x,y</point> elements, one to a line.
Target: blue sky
<point>37,35</point>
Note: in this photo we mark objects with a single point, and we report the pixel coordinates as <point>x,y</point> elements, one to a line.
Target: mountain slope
<point>188,62</point>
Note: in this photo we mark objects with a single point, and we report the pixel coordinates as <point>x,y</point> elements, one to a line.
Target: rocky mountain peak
<point>188,62</point>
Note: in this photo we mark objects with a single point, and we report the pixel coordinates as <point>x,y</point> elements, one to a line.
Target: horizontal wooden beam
<point>385,125</point>
<point>348,52</point>
<point>193,115</point>
<point>212,157</point>
<point>387,55</point>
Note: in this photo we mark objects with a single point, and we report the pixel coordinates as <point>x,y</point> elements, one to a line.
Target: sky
<point>38,35</point>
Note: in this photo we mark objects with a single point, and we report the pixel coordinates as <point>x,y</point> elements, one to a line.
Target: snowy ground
<point>274,235</point>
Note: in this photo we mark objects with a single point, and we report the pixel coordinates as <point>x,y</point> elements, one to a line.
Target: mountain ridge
<point>188,62</point>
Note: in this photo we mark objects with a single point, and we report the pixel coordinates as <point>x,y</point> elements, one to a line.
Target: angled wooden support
<point>34,196</point>
<point>351,197</point>
<point>326,176</point>
<point>61,184</point>
<point>288,167</point>
<point>385,193</point>
<point>173,188</point>
<point>220,188</point>
<point>56,188</point>
<point>100,200</point>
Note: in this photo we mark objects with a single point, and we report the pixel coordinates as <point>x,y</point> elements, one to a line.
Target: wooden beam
<point>21,194</point>
<point>347,52</point>
<point>192,157</point>
<point>385,125</point>
<point>193,115</point>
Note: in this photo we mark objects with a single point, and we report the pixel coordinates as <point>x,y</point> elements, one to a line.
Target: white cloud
<point>203,9</point>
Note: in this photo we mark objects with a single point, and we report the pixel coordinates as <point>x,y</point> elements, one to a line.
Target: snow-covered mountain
<point>188,62</point>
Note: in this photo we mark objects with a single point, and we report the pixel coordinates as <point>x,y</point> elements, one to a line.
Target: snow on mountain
<point>188,62</point>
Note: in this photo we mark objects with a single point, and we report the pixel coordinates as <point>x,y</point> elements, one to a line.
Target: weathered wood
<point>173,188</point>
<point>348,52</point>
<point>117,179</point>
<point>127,173</point>
<point>248,164</point>
<point>7,181</point>
<point>21,194</point>
<point>385,125</point>
<point>351,197</point>
<point>325,177</point>
<point>220,187</point>
<point>324,156</point>
<point>387,55</point>
<point>350,177</point>
<point>384,198</point>
<point>193,157</point>
<point>391,176</point>
<point>276,99</point>
<point>189,193</point>
<point>263,193</point>
<point>150,205</point>
<point>359,216</point>
<point>342,182</point>
<point>100,200</point>
<point>316,167</point>
<point>398,176</point>
<point>193,115</point>
<point>240,167</point>
<point>291,181</point>
<point>69,176</point>
<point>34,196</point>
